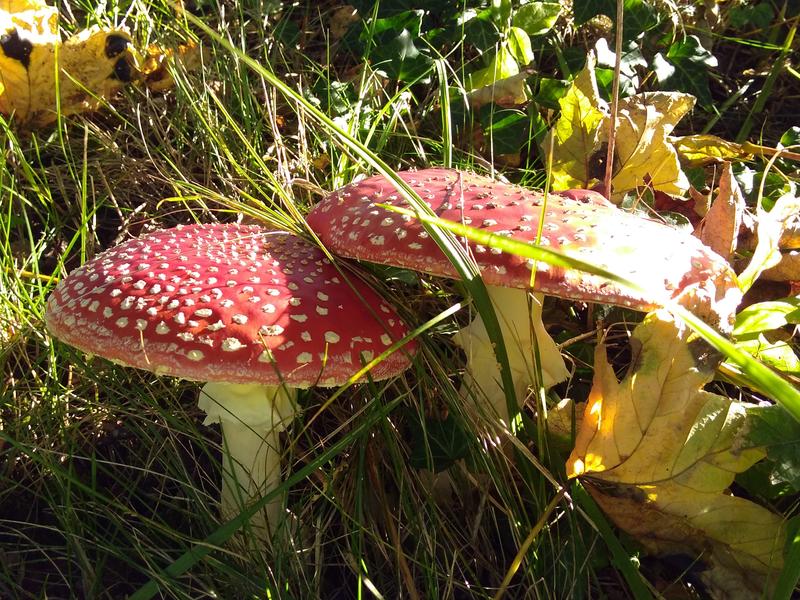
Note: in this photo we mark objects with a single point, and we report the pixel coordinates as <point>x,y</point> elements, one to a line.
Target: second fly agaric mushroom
<point>256,314</point>
<point>665,262</point>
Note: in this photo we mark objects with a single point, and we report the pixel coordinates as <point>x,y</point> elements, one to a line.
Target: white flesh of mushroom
<point>252,417</point>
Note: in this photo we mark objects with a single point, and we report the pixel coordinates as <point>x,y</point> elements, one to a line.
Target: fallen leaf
<point>155,68</point>
<point>703,149</point>
<point>86,69</point>
<point>658,454</point>
<point>341,20</point>
<point>643,154</point>
<point>770,228</point>
<point>510,91</point>
<point>719,229</point>
<point>787,269</point>
<point>501,82</point>
<point>573,140</point>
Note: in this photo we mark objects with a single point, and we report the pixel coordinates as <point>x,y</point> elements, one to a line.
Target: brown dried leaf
<point>719,229</point>
<point>788,269</point>
<point>771,228</point>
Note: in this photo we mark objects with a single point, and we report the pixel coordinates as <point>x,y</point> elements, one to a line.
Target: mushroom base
<point>252,417</point>
<point>522,327</point>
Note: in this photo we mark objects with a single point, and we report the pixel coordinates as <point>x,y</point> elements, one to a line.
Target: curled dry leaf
<point>703,149</point>
<point>659,453</point>
<point>719,229</point>
<point>787,269</point>
<point>644,156</point>
<point>771,229</point>
<point>92,65</point>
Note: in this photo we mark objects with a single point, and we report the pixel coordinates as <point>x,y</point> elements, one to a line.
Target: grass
<point>109,480</point>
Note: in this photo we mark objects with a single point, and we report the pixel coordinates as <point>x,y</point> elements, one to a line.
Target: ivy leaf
<point>685,68</point>
<point>508,129</point>
<point>537,18</point>
<point>395,53</point>
<point>631,59</point>
<point>438,444</point>
<point>519,43</point>
<point>766,316</point>
<point>772,428</point>
<point>659,453</point>
<point>573,138</point>
<point>639,15</point>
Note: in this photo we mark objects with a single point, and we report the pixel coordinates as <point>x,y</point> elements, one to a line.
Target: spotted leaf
<point>86,69</point>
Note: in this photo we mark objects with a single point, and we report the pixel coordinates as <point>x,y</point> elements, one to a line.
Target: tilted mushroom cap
<point>226,303</point>
<point>664,261</point>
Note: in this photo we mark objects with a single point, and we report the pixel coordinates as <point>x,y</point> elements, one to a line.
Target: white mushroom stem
<point>252,417</point>
<point>522,327</point>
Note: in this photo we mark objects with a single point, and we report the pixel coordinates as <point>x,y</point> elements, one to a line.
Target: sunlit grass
<point>109,480</point>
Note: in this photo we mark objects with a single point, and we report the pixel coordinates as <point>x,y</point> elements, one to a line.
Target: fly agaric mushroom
<point>254,313</point>
<point>665,262</point>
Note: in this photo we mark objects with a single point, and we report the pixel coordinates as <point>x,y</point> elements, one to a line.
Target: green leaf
<point>631,60</point>
<point>502,66</point>
<point>748,17</point>
<point>395,53</point>
<point>519,43</point>
<point>639,16</point>
<point>685,68</point>
<point>537,18</point>
<point>501,13</point>
<point>550,92</point>
<point>766,316</point>
<point>507,128</point>
<point>437,443</point>
<point>771,428</point>
<point>778,354</point>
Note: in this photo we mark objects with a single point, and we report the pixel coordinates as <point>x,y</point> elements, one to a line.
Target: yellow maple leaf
<point>573,139</point>
<point>658,453</point>
<point>644,153</point>
<point>40,74</point>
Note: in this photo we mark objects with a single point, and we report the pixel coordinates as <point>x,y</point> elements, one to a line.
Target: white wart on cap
<point>226,303</point>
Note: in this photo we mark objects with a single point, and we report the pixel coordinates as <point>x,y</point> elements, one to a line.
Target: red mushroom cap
<point>664,261</point>
<point>227,303</point>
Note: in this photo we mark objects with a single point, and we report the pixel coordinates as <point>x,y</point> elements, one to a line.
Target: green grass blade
<point>755,373</point>
<point>790,574</point>
<point>461,261</point>
<point>195,554</point>
<point>619,557</point>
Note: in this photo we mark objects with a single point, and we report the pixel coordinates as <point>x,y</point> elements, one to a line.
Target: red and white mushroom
<point>256,314</point>
<point>665,262</point>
